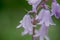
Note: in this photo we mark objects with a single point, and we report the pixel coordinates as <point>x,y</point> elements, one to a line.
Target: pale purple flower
<point>34,4</point>
<point>42,32</point>
<point>44,17</point>
<point>55,9</point>
<point>26,24</point>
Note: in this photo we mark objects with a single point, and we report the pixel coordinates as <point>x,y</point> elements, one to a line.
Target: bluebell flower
<point>26,24</point>
<point>44,17</point>
<point>34,4</point>
<point>42,32</point>
<point>55,9</point>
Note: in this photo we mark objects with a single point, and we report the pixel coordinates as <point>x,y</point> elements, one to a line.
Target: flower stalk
<point>34,23</point>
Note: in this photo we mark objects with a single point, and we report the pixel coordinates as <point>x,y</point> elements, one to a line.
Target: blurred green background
<point>11,12</point>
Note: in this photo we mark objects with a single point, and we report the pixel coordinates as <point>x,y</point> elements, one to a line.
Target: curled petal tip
<point>19,26</point>
<point>24,33</point>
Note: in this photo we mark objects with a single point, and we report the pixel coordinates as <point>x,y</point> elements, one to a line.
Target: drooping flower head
<point>42,32</point>
<point>26,24</point>
<point>34,4</point>
<point>44,17</point>
<point>55,9</point>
